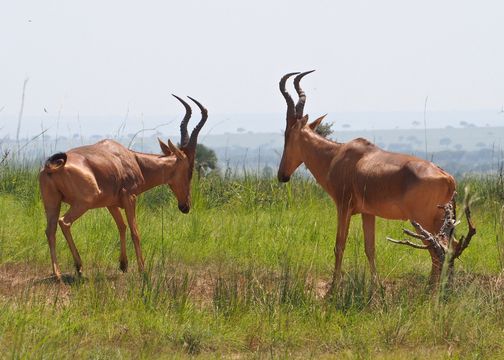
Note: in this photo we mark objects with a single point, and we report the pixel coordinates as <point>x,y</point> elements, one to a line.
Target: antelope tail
<point>55,162</point>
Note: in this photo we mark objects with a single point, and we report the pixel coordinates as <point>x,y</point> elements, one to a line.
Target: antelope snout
<point>184,208</point>
<point>283,178</point>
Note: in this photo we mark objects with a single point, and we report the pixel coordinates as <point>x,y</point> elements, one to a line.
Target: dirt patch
<point>22,280</point>
<point>14,277</point>
<point>203,284</point>
<point>203,287</point>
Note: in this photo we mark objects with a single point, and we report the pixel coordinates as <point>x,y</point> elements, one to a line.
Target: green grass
<point>241,276</point>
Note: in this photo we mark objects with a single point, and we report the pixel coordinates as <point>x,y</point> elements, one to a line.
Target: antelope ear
<point>300,122</point>
<point>175,150</point>
<point>317,122</point>
<point>304,120</point>
<point>164,148</point>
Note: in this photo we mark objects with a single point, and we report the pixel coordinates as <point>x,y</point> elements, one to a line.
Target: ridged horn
<point>291,110</point>
<point>194,135</point>
<point>302,96</point>
<point>184,135</point>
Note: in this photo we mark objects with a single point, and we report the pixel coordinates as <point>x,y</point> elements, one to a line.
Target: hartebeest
<point>107,174</point>
<point>363,179</point>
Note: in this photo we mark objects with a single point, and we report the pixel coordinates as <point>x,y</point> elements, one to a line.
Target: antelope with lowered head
<point>107,174</point>
<point>363,179</point>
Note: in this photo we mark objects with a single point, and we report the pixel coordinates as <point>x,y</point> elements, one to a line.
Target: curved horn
<point>291,110</point>
<point>184,135</point>
<point>204,116</point>
<point>302,96</point>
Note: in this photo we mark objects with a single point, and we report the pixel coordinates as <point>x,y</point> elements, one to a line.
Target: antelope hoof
<point>333,287</point>
<point>331,290</point>
<point>123,265</point>
<point>58,277</point>
<point>57,273</point>
<point>143,273</point>
<point>376,283</point>
<point>141,268</point>
<point>78,269</point>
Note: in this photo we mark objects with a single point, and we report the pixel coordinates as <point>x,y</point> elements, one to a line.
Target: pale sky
<point>102,57</point>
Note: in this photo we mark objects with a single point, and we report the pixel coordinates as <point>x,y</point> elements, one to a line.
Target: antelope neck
<point>155,169</point>
<point>317,154</point>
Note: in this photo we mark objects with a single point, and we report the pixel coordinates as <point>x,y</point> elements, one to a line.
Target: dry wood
<point>444,244</point>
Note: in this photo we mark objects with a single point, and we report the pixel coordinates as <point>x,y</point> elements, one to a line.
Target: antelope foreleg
<point>339,248</point>
<point>121,226</point>
<point>52,224</point>
<point>368,227</point>
<point>65,223</point>
<point>129,204</point>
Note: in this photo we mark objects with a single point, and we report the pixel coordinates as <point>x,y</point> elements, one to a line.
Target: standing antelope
<point>107,174</point>
<point>363,179</point>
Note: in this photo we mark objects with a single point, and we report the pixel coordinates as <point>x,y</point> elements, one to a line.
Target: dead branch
<point>444,244</point>
<point>409,243</point>
<point>144,130</point>
<point>4,156</point>
<point>32,140</point>
<point>465,240</point>
<point>413,234</point>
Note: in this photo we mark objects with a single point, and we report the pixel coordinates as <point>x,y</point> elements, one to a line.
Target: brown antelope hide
<point>363,179</point>
<point>444,244</point>
<point>107,174</point>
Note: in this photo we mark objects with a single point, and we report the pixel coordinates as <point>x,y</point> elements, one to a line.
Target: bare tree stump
<point>444,244</point>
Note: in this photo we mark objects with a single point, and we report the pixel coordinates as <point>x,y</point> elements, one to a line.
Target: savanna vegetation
<point>244,274</point>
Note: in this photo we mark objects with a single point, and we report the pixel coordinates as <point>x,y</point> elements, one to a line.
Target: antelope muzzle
<point>283,178</point>
<point>184,208</point>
